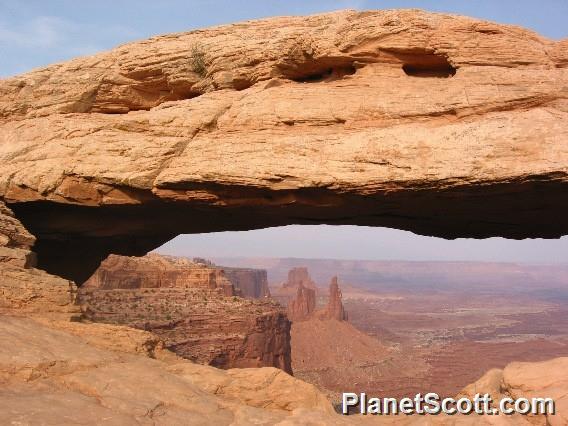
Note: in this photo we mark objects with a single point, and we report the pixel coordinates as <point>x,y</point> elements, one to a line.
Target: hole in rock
<point>425,304</point>
<point>328,74</point>
<point>425,65</point>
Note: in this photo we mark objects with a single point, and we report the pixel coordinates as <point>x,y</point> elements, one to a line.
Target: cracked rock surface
<point>438,124</point>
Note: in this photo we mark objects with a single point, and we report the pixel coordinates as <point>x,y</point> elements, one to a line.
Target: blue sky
<point>34,33</point>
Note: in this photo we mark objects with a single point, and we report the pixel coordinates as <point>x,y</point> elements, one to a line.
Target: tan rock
<point>60,378</point>
<point>252,283</point>
<point>397,118</point>
<point>25,290</point>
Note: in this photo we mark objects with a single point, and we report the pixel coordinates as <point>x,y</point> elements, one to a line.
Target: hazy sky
<point>34,33</point>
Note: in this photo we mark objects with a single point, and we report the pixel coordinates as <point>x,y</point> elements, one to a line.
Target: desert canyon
<point>438,124</point>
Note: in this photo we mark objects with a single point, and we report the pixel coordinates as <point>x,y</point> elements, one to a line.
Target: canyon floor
<point>425,326</point>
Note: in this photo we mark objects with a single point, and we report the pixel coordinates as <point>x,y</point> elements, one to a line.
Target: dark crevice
<point>328,74</point>
<point>428,66</point>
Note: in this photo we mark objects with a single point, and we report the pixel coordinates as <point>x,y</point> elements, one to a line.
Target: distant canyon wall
<point>192,307</point>
<point>252,283</point>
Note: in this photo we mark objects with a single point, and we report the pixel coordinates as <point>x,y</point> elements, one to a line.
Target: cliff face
<point>403,119</point>
<point>252,283</point>
<point>192,307</point>
<point>303,305</point>
<point>335,309</point>
<point>25,290</point>
<point>156,271</point>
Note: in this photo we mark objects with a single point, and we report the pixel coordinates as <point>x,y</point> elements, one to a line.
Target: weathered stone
<point>252,283</point>
<point>441,125</point>
<point>51,374</point>
<point>335,309</point>
<point>303,305</point>
<point>25,290</point>
<point>299,277</point>
<point>192,308</point>
<point>157,271</point>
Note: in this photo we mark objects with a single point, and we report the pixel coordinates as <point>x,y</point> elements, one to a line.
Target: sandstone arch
<point>291,121</point>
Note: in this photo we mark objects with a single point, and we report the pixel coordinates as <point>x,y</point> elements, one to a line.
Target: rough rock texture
<point>157,271</point>
<point>303,305</point>
<point>396,118</point>
<point>298,277</point>
<point>53,375</point>
<point>15,240</point>
<point>547,379</point>
<point>25,290</point>
<point>252,283</point>
<point>189,307</point>
<point>335,309</point>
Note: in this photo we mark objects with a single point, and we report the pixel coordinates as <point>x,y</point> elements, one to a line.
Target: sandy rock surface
<point>439,124</point>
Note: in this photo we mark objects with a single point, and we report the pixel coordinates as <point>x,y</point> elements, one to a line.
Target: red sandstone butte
<point>303,305</point>
<point>335,309</point>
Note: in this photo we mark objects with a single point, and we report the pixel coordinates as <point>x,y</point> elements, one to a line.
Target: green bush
<point>197,59</point>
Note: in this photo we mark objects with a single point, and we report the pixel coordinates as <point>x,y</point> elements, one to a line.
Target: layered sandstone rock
<point>50,374</point>
<point>15,240</point>
<point>298,277</point>
<point>251,283</point>
<point>547,379</point>
<point>335,309</point>
<point>303,305</point>
<point>63,373</point>
<point>191,307</point>
<point>157,271</point>
<point>25,290</point>
<point>396,118</point>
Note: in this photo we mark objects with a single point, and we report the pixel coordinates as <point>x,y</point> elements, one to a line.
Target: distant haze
<point>360,242</point>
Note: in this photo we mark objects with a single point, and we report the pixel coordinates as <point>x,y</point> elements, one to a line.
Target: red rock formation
<point>303,305</point>
<point>156,271</point>
<point>252,283</point>
<point>190,306</point>
<point>335,309</point>
<point>297,276</point>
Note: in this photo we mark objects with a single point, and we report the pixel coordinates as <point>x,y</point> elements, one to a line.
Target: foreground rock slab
<point>59,373</point>
<point>63,376</point>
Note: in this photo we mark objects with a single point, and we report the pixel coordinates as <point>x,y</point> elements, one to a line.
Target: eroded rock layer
<point>190,306</point>
<point>335,309</point>
<point>441,125</point>
<point>303,305</point>
<point>299,277</point>
<point>251,283</point>
<point>63,373</point>
<point>25,290</point>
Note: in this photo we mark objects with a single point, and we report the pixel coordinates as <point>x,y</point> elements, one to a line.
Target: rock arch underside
<point>437,124</point>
